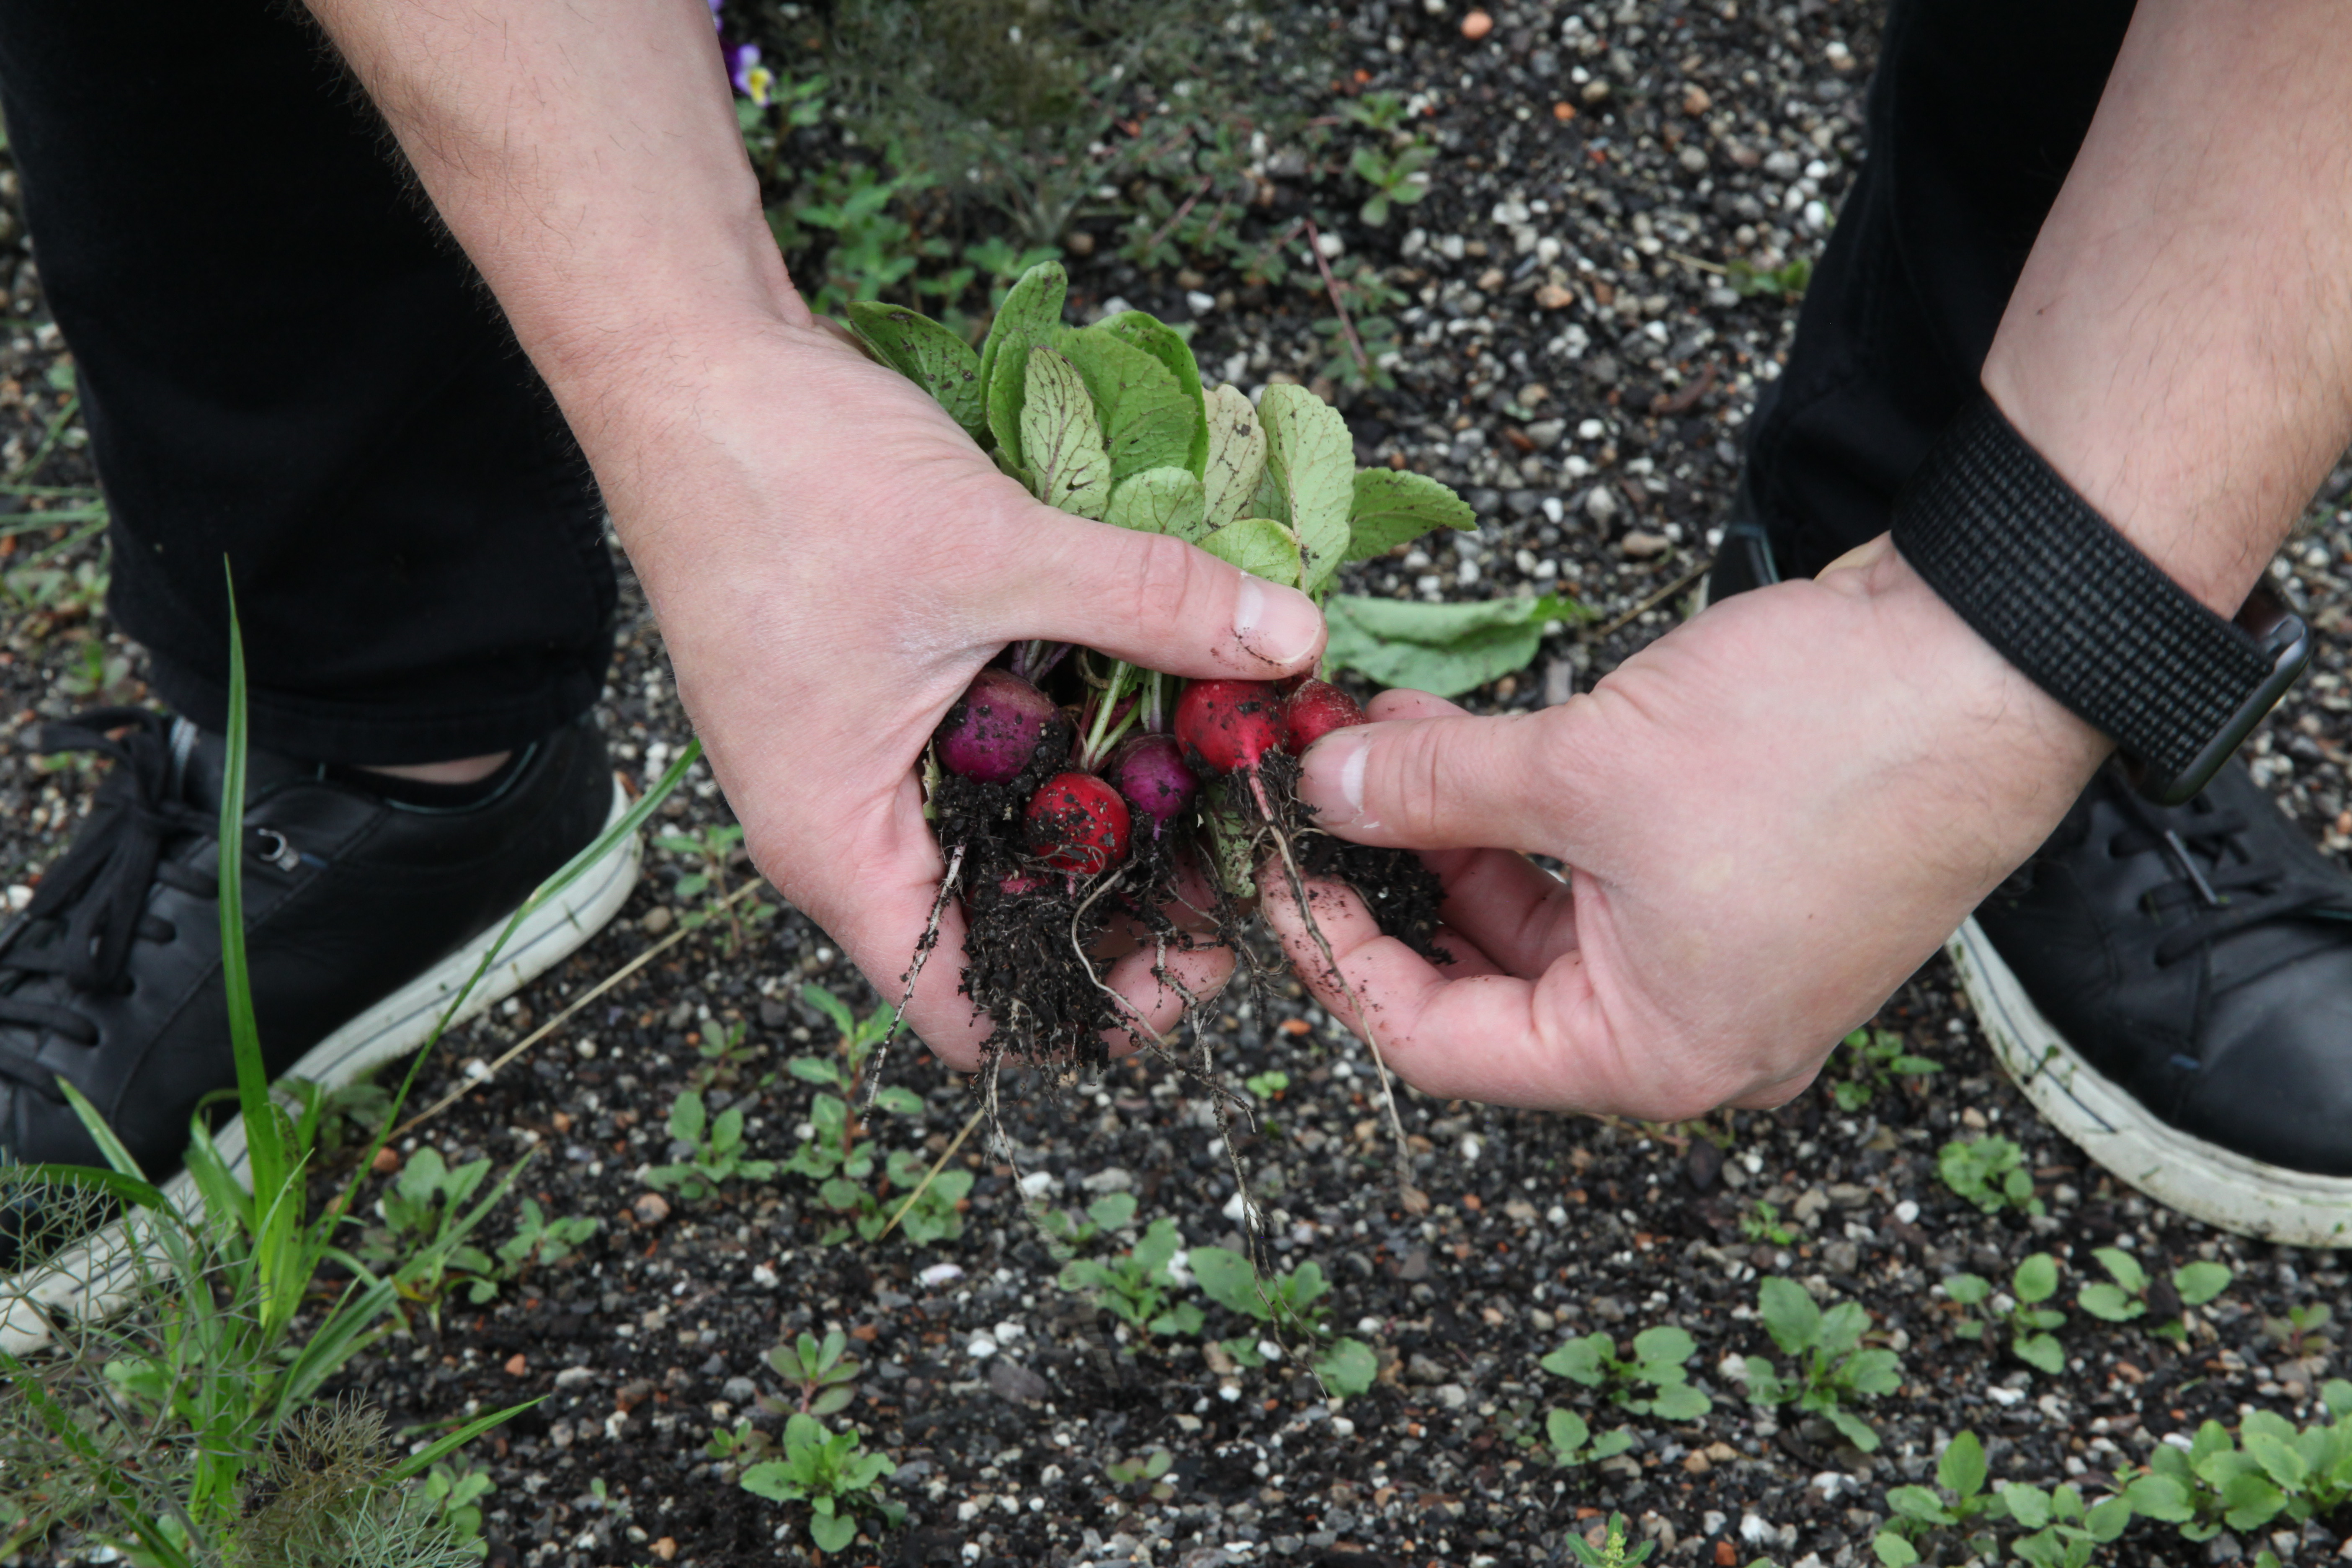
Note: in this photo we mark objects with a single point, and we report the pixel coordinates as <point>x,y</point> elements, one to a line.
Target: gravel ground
<point>1585,386</point>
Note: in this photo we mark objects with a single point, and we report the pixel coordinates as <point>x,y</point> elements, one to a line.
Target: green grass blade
<point>110,1147</point>
<point>111,1480</point>
<point>129,1188</point>
<point>244,1036</point>
<point>417,1464</point>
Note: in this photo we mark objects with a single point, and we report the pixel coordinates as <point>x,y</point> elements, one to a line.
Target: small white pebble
<point>1907,1212</point>
<point>940,1273</point>
<point>980,1348</point>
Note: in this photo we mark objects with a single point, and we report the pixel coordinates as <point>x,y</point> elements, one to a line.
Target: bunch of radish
<point>1074,791</point>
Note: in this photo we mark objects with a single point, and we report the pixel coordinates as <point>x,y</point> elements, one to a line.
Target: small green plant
<point>2064,1531</point>
<point>1831,1371</point>
<point>930,1213</point>
<point>2303,1330</point>
<point>828,1471</point>
<point>539,1240</point>
<point>1962,1502</point>
<point>1611,1552</point>
<point>1379,111</point>
<point>426,1226</point>
<point>1291,1305</point>
<point>822,1371</point>
<point>1400,179</point>
<point>1149,1468</point>
<point>457,1495</point>
<point>1572,1441</point>
<point>2272,1470</point>
<point>1749,281</point>
<point>711,849</point>
<point>2123,1295</point>
<point>1110,1213</point>
<point>1267,1085</point>
<point>1762,1223</point>
<point>2030,1322</point>
<point>717,1156</point>
<point>725,1051</point>
<point>1658,1364</point>
<point>1138,1287</point>
<point>1988,1173</point>
<point>1875,1059</point>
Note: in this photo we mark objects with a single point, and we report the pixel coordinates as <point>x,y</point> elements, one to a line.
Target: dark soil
<point>1004,1398</point>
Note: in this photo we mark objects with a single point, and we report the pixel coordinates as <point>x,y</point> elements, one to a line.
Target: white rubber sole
<point>2201,1180</point>
<point>97,1276</point>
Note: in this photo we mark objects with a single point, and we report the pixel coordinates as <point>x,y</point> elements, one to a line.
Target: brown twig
<point>940,1164</point>
<point>1331,287</point>
<point>1653,601</point>
<point>1169,226</point>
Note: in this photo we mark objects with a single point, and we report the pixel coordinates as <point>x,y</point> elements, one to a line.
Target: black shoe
<point>1745,559</point>
<point>363,916</point>
<point>2172,987</point>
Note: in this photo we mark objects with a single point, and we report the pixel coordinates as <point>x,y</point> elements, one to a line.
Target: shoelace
<point>2231,889</point>
<point>97,892</point>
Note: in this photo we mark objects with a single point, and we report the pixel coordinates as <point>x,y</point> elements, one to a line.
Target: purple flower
<point>751,78</point>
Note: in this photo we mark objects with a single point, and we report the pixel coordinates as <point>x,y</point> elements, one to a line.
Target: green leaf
<point>2160,1497</point>
<point>1258,546</point>
<point>1031,313</point>
<point>1228,1279</point>
<point>1348,1367</point>
<point>1960,1469</point>
<point>927,354</point>
<point>900,1100</point>
<point>1967,1290</point>
<point>2105,1521</point>
<point>2039,1351</point>
<point>127,1188</point>
<point>1444,649</point>
<point>2285,1466</point>
<point>1060,441</point>
<point>1567,1431</point>
<point>1392,506</point>
<point>1872,1372</point>
<point>1892,1550</point>
<point>2199,1283</point>
<point>1164,343</point>
<point>1312,458</point>
<point>1236,454</point>
<point>2027,1505</point>
<point>2249,1501</point>
<point>1581,1360</point>
<point>832,1532</point>
<point>2122,1267</point>
<point>1918,1503</point>
<point>1681,1402</point>
<point>1160,500</point>
<point>1790,1314</point>
<point>1665,1346</point>
<point>1144,418</point>
<point>2036,1279</point>
<point>2109,1303</point>
<point>688,1117</point>
<point>1854,1428</point>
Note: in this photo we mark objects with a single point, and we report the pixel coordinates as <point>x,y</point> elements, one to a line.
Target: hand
<point>1773,814</point>
<point>832,559</point>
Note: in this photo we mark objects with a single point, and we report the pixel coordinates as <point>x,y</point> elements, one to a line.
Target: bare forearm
<point>586,157</point>
<point>2179,347</point>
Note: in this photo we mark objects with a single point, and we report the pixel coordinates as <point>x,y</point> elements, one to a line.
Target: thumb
<point>1452,783</point>
<point>1156,601</point>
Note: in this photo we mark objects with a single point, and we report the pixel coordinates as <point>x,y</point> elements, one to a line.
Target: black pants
<point>284,362</point>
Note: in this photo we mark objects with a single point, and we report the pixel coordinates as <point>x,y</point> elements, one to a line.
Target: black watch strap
<point>2064,597</point>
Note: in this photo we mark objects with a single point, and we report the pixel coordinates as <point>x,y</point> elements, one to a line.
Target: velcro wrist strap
<point>2064,597</point>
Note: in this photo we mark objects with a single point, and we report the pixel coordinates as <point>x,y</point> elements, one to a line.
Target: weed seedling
<point>1749,281</point>
<point>1291,1305</point>
<point>931,1217</point>
<point>1398,180</point>
<point>1137,1287</point>
<point>829,1472</point>
<point>2272,1470</point>
<point>1150,1468</point>
<point>1963,1501</point>
<point>426,1226</point>
<point>725,1054</point>
<point>2302,1331</point>
<point>1988,1173</point>
<point>2125,1294</point>
<point>1762,1223</point>
<point>1831,1370</point>
<point>1611,1552</point>
<point>540,1240</point>
<point>457,1495</point>
<point>716,1150</point>
<point>1876,1058</point>
<point>2029,1322</point>
<point>1658,1364</point>
<point>1072,1230</point>
<point>1572,1442</point>
<point>822,1371</point>
<point>1379,111</point>
<point>709,851</point>
<point>2064,1531</point>
<point>1267,1085</point>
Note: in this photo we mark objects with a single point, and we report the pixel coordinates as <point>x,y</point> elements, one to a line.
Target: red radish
<point>1225,726</point>
<point>1149,774</point>
<point>1315,709</point>
<point>1078,823</point>
<point>999,727</point>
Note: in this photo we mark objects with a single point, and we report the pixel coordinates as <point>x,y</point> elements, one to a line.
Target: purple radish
<point>999,727</point>
<point>1148,773</point>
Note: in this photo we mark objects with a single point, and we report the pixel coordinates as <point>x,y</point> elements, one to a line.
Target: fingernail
<point>1279,625</point>
<point>1332,779</point>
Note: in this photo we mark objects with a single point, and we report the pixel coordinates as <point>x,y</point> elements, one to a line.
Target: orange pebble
<point>1476,25</point>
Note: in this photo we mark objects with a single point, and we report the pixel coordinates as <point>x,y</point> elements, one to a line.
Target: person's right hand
<point>832,559</point>
<point>1773,814</point>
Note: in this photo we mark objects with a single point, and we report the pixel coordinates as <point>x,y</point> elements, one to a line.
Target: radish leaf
<point>1032,311</point>
<point>927,354</point>
<point>1446,650</point>
<point>1160,500</point>
<point>1236,454</point>
<point>1164,343</point>
<point>1058,436</point>
<point>1259,546</point>
<point>1312,458</point>
<point>1147,421</point>
<point>1394,507</point>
